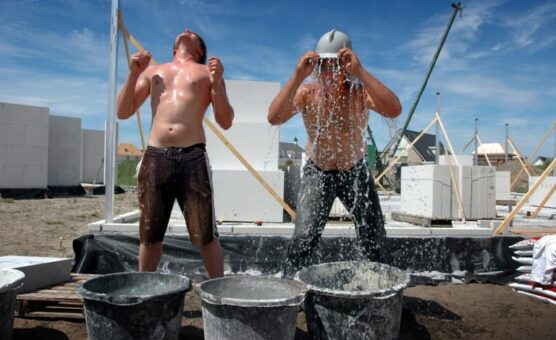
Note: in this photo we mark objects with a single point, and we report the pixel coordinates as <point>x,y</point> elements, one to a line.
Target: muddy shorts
<point>182,174</point>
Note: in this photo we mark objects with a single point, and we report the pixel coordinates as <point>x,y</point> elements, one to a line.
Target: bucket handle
<point>95,297</point>
<point>385,297</point>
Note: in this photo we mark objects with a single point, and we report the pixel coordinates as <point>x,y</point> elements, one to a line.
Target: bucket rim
<point>378,294</point>
<point>285,302</point>
<point>17,277</point>
<point>130,300</point>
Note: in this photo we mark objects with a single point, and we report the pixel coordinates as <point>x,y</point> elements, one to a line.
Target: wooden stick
<point>446,136</point>
<point>531,167</point>
<point>525,198</point>
<point>408,147</point>
<point>486,156</point>
<point>543,139</point>
<point>535,231</point>
<point>519,157</point>
<point>455,187</point>
<point>224,140</point>
<point>126,38</point>
<point>544,200</point>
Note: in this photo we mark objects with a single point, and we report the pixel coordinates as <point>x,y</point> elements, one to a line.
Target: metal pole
<point>436,141</point>
<point>506,146</point>
<point>476,156</point>
<point>457,7</point>
<point>110,131</point>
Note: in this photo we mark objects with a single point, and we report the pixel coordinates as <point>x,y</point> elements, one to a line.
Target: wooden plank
<point>420,220</point>
<point>526,231</point>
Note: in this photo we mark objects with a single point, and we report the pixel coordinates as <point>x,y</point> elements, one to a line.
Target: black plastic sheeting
<point>106,253</point>
<point>53,191</point>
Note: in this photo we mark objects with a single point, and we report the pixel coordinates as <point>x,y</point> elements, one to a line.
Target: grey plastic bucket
<point>10,280</point>
<point>250,307</point>
<point>134,305</point>
<point>353,300</point>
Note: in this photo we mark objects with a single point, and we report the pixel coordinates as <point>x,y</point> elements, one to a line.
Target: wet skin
<point>335,112</point>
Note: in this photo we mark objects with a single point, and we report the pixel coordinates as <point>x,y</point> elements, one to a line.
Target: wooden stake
<point>519,157</point>
<point>446,136</point>
<point>125,35</point>
<point>455,187</point>
<point>525,198</point>
<point>408,147</point>
<point>222,138</point>
<point>486,156</point>
<point>543,139</point>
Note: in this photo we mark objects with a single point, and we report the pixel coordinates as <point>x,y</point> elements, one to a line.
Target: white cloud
<point>530,29</point>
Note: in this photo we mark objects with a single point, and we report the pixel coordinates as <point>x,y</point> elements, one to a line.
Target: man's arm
<point>223,110</point>
<point>289,101</point>
<point>378,97</point>
<point>136,87</point>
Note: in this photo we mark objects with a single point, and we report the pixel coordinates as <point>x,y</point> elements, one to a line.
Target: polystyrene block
<point>537,197</point>
<point>240,197</point>
<point>426,191</point>
<point>503,186</point>
<point>258,143</point>
<point>251,99</point>
<point>39,271</point>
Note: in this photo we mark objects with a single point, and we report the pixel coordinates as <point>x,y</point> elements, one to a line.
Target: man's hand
<point>139,61</point>
<point>216,71</point>
<point>350,61</point>
<point>306,64</point>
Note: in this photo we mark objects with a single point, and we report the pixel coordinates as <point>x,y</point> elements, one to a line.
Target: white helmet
<point>331,42</point>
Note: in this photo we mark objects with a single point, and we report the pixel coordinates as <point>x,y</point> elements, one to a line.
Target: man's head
<point>194,43</point>
<point>331,43</point>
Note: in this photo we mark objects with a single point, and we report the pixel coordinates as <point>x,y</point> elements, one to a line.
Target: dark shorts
<point>167,174</point>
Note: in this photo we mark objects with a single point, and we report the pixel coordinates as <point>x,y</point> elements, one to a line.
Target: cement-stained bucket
<point>250,307</point>
<point>353,300</point>
<point>10,280</point>
<point>134,305</point>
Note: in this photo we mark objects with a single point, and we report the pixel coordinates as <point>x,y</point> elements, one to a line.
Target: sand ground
<point>474,311</point>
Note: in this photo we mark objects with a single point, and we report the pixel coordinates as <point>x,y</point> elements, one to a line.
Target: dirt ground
<point>449,311</point>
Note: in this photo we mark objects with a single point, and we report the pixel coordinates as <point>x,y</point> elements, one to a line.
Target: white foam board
<point>503,185</point>
<point>39,271</point>
<point>537,197</point>
<point>426,191</point>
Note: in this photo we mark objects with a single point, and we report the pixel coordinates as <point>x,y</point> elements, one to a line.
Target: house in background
<point>290,153</point>
<point>495,153</point>
<point>291,161</point>
<point>128,151</point>
<point>422,152</point>
<point>540,161</point>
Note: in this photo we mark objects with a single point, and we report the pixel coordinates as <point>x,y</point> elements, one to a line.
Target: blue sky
<point>498,64</point>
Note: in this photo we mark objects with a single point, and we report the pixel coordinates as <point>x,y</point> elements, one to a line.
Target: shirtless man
<point>175,164</point>
<point>335,113</point>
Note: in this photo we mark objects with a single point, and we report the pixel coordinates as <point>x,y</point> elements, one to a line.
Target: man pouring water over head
<point>335,111</point>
